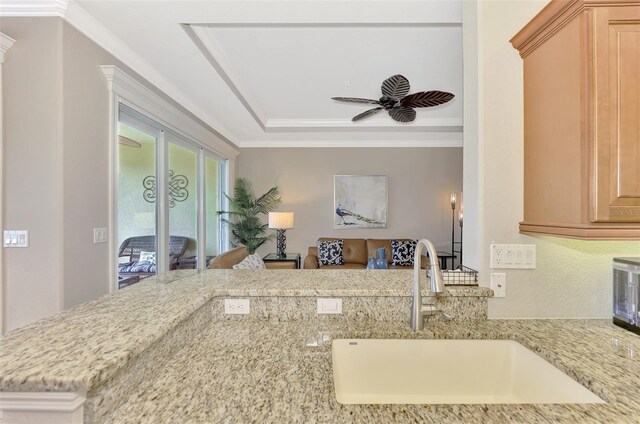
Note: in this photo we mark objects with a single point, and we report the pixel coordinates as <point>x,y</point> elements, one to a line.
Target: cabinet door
<point>617,146</point>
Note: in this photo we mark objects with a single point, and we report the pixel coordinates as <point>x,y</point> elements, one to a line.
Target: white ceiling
<point>262,73</point>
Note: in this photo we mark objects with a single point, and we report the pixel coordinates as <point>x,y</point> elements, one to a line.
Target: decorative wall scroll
<point>177,188</point>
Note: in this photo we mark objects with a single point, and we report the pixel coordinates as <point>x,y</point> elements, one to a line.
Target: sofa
<point>234,256</point>
<point>356,253</point>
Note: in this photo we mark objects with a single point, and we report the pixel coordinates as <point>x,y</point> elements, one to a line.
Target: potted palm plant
<point>243,217</point>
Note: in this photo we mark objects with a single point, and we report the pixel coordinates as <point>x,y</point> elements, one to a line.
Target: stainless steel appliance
<point>626,277</point>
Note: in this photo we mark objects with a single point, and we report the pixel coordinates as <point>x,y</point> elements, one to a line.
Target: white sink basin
<point>448,372</point>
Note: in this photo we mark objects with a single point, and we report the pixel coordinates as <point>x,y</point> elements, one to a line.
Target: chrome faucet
<point>418,310</point>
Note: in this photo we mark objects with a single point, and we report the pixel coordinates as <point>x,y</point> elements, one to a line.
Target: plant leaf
<point>243,217</point>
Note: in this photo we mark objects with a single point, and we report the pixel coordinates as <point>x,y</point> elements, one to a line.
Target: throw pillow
<point>402,252</point>
<point>330,253</point>
<point>147,257</point>
<point>250,262</point>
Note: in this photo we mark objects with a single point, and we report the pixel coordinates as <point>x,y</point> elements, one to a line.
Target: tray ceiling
<point>262,72</point>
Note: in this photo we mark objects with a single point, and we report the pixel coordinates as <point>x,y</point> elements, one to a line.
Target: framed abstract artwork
<point>360,201</point>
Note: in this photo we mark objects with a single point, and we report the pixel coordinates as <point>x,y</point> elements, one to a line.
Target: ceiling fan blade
<point>402,114</point>
<point>366,113</point>
<point>426,99</point>
<point>126,141</point>
<point>356,100</point>
<point>395,87</point>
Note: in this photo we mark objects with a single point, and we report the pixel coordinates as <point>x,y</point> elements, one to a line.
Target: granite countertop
<point>254,370</point>
<point>80,348</point>
<point>281,372</point>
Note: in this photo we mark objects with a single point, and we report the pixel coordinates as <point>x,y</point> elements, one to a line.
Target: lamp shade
<point>281,220</point>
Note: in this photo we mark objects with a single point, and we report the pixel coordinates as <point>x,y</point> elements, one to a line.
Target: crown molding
<point>92,28</point>
<point>256,144</point>
<point>78,17</point>
<point>5,44</point>
<point>206,42</point>
<point>33,7</point>
<point>382,124</point>
<point>213,52</point>
<point>128,88</point>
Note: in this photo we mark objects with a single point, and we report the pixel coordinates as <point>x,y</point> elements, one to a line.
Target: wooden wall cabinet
<point>582,119</point>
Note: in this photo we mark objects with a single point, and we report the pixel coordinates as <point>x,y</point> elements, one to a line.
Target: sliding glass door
<point>182,186</point>
<point>138,143</point>
<point>215,186</point>
<point>168,191</point>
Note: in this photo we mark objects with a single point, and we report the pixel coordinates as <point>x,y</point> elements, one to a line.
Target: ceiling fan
<point>126,141</point>
<point>397,102</point>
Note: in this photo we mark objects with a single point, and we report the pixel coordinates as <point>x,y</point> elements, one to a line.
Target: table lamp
<point>281,221</point>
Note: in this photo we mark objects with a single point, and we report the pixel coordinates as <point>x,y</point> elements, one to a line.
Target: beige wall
<point>56,164</point>
<point>573,278</point>
<point>32,96</point>
<point>85,166</point>
<point>56,168</point>
<point>419,180</point>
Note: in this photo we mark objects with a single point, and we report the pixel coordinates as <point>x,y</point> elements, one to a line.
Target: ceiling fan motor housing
<point>388,102</point>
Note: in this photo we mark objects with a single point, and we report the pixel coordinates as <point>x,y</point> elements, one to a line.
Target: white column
<point>5,44</point>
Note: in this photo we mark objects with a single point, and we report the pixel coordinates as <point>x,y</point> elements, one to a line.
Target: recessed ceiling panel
<point>290,72</point>
<point>264,72</point>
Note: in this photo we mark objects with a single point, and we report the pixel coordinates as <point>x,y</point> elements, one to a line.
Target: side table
<point>444,259</point>
<point>289,257</point>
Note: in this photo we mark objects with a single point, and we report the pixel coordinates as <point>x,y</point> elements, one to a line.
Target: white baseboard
<point>41,408</point>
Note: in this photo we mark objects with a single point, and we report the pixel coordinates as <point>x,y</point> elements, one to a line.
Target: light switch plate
<point>499,284</point>
<point>15,238</point>
<point>329,306</point>
<point>99,235</point>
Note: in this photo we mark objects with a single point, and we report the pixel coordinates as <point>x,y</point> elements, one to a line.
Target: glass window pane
<point>183,206</point>
<point>136,203</point>
<point>213,205</point>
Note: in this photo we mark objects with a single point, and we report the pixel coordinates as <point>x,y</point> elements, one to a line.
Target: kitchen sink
<point>374,371</point>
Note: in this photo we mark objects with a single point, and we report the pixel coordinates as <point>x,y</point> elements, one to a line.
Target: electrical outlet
<point>499,284</point>
<point>514,256</point>
<point>498,256</point>
<point>236,306</point>
<point>329,306</point>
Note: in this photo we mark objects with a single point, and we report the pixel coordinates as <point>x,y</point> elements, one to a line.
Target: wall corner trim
<point>5,44</point>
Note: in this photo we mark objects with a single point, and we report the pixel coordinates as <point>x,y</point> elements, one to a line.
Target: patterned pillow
<point>147,257</point>
<point>137,267</point>
<point>402,252</point>
<point>250,262</point>
<point>330,253</point>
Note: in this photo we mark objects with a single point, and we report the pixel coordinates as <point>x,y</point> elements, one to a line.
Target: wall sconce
<point>281,221</point>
